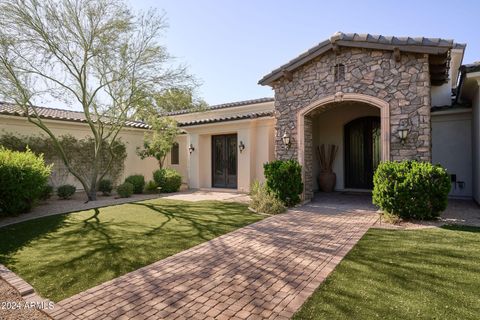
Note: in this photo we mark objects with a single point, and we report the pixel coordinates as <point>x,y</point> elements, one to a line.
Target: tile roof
<point>251,115</point>
<point>59,114</point>
<point>409,44</point>
<point>472,67</point>
<point>225,105</point>
<point>77,116</point>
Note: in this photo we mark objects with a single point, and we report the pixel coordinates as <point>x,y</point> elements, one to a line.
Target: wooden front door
<point>362,152</point>
<point>224,161</point>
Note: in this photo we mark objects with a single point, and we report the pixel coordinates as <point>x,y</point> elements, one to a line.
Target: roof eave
<point>324,47</point>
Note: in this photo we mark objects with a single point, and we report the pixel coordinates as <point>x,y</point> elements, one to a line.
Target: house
<point>376,97</point>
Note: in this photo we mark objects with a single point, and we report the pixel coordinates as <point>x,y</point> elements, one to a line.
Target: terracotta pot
<point>326,181</point>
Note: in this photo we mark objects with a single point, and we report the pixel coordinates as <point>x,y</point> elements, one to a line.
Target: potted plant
<point>326,178</point>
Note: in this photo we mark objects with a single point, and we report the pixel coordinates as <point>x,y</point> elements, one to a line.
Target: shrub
<point>411,189</point>
<point>23,176</point>
<point>46,193</point>
<point>125,190</point>
<point>168,180</point>
<point>138,182</point>
<point>105,186</point>
<point>151,187</point>
<point>265,201</point>
<point>66,191</point>
<point>284,179</point>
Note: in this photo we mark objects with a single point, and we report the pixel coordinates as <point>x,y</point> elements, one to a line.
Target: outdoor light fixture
<point>402,134</point>
<point>286,140</point>
<point>191,148</point>
<point>241,146</point>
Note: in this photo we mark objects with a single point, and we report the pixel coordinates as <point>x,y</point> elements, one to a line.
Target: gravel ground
<point>460,212</point>
<point>9,296</point>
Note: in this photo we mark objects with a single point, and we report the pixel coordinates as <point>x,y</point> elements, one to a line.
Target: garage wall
<point>452,147</point>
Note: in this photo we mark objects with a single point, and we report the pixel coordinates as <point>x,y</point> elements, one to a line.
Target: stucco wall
<point>476,144</point>
<point>452,147</point>
<point>132,137</point>
<point>404,85</point>
<point>328,128</point>
<point>256,135</point>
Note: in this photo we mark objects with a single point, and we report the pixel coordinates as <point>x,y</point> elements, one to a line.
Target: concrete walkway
<point>263,271</point>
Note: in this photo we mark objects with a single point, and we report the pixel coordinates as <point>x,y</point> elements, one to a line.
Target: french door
<point>224,161</point>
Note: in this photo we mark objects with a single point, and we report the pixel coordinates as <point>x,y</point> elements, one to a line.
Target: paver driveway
<point>265,270</point>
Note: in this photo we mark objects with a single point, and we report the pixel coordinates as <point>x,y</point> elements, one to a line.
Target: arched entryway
<point>305,135</point>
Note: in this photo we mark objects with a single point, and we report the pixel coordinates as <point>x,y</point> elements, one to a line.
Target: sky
<point>229,45</point>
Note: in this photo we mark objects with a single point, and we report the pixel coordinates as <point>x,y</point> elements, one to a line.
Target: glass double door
<point>224,161</point>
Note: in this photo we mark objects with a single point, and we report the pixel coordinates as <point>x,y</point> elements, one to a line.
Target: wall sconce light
<point>191,148</point>
<point>241,146</point>
<point>286,140</point>
<point>403,134</point>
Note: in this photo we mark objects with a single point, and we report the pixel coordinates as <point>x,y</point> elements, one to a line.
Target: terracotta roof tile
<point>58,114</point>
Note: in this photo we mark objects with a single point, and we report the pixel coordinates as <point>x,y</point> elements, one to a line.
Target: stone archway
<point>304,131</point>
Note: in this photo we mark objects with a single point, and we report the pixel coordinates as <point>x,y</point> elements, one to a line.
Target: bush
<point>23,176</point>
<point>125,190</point>
<point>264,201</point>
<point>46,193</point>
<point>66,191</point>
<point>168,180</point>
<point>284,179</point>
<point>411,189</point>
<point>105,186</point>
<point>138,182</point>
<point>151,187</point>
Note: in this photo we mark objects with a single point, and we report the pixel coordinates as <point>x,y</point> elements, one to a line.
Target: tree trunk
<point>92,194</point>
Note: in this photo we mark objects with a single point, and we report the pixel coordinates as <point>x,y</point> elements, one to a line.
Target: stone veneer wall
<point>404,85</point>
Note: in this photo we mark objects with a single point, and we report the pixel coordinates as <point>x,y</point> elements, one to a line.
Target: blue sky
<point>229,45</point>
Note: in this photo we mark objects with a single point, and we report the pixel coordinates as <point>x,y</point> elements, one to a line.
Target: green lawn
<point>65,254</point>
<point>421,274</point>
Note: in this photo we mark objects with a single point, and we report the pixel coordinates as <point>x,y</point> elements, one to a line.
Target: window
<point>339,72</point>
<point>175,154</point>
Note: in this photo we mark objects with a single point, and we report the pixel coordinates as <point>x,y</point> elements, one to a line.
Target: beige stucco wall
<point>328,128</point>
<point>476,137</point>
<point>132,137</point>
<point>256,135</point>
<point>452,147</point>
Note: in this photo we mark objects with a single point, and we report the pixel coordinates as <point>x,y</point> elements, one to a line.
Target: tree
<point>170,100</point>
<point>159,142</point>
<point>96,55</point>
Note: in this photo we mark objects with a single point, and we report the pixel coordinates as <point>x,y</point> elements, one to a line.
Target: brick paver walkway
<point>263,271</point>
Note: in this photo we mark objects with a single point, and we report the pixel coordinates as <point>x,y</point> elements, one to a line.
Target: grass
<point>420,274</point>
<point>65,254</point>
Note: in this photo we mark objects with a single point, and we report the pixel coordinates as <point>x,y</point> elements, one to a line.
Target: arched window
<point>175,154</point>
<point>339,72</point>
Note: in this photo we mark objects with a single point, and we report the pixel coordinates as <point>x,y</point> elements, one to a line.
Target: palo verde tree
<point>95,55</point>
<point>160,140</point>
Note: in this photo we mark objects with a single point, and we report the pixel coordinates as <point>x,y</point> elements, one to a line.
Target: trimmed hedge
<point>105,186</point>
<point>411,189</point>
<point>169,180</point>
<point>138,182</point>
<point>125,190</point>
<point>23,177</point>
<point>284,179</point>
<point>66,191</point>
<point>46,193</point>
